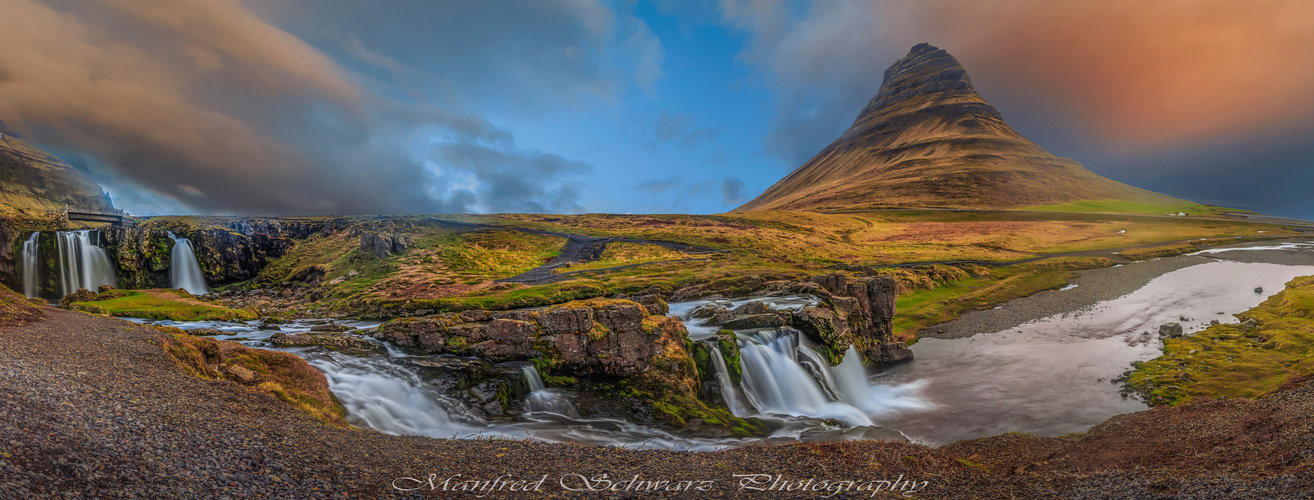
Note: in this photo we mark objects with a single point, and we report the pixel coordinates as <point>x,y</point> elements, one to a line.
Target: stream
<point>1051,376</point>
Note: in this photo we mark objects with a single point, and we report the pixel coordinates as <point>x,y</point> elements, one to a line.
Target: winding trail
<point>580,249</point>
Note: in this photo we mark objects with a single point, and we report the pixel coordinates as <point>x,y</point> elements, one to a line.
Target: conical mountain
<point>928,140</point>
<point>33,181</point>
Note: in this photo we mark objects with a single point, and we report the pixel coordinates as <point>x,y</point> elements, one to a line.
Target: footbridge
<point>117,217</point>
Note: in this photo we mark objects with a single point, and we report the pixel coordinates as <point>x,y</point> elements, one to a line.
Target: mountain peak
<point>928,140</point>
<point>928,75</point>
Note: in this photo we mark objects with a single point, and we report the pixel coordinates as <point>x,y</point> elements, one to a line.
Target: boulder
<point>242,374</point>
<point>334,341</point>
<point>1170,330</point>
<point>104,288</point>
<point>895,352</point>
<point>765,320</point>
<point>706,311</point>
<point>1259,289</point>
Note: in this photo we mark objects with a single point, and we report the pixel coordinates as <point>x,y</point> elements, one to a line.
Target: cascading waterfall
<point>775,382</point>
<point>184,270</point>
<point>83,263</point>
<point>31,256</point>
<point>542,399</point>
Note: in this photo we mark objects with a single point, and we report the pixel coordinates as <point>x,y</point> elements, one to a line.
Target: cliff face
<point>927,139</point>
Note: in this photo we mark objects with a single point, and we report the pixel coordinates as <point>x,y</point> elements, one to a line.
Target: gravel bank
<point>1098,285</point>
<point>91,407</point>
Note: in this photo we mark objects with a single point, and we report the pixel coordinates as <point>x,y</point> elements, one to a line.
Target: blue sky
<point>288,107</point>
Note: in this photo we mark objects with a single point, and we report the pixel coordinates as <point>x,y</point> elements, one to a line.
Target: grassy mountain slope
<point>33,181</point>
<point>929,140</point>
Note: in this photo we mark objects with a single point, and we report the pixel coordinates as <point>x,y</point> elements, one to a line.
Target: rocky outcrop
<point>858,312</point>
<point>383,245</point>
<point>594,338</point>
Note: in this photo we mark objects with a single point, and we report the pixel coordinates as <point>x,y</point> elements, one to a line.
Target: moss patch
<point>175,305</point>
<point>281,374</point>
<point>1231,360</point>
<point>15,309</point>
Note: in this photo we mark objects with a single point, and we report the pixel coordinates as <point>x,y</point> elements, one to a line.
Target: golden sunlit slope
<point>32,181</point>
<point>929,140</point>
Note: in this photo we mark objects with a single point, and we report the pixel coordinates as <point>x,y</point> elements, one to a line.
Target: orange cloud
<point>1141,72</point>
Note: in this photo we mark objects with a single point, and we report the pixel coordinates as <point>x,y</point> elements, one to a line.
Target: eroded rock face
<point>383,245</point>
<point>860,313</point>
<point>594,338</point>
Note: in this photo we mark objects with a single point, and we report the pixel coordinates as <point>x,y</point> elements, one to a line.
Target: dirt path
<point>581,249</point>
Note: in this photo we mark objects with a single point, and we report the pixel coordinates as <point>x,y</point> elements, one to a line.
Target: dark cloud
<point>732,191</point>
<point>521,181</point>
<point>211,107</point>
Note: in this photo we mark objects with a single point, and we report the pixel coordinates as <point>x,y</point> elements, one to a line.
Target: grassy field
<point>626,254</point>
<point>1230,360</point>
<point>1133,207</point>
<point>176,305</point>
<point>960,291</point>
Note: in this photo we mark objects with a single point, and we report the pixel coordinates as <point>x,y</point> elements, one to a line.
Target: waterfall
<point>542,399</point>
<point>729,392</point>
<point>775,382</point>
<point>31,258</point>
<point>184,270</point>
<point>384,396</point>
<point>82,263</point>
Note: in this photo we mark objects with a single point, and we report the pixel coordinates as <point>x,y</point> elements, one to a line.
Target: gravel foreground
<point>91,407</point>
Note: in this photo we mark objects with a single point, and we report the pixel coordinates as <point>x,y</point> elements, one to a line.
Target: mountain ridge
<point>928,140</point>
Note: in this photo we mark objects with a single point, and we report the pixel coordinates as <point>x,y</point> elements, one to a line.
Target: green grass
<point>1227,361</point>
<point>175,305</point>
<point>626,253</point>
<point>948,294</point>
<point>1134,207</point>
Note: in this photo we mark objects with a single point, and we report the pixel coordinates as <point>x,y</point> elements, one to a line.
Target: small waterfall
<point>729,392</point>
<point>542,399</point>
<point>775,382</point>
<point>82,262</point>
<point>184,270</point>
<point>31,258</point>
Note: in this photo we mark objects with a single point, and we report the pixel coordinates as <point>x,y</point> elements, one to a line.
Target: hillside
<point>32,180</point>
<point>929,140</point>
